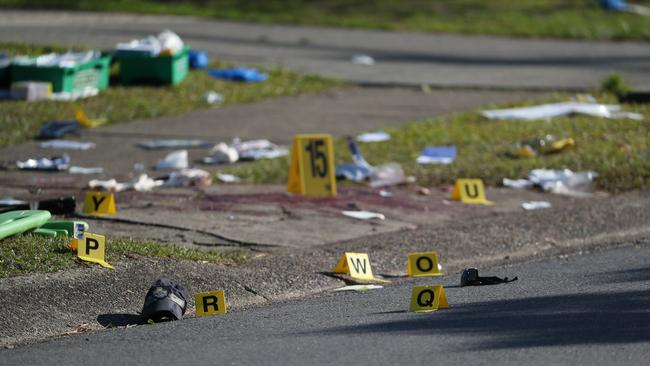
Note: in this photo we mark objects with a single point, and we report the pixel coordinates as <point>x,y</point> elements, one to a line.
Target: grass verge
<point>618,150</point>
<point>20,120</point>
<point>24,254</point>
<point>580,19</point>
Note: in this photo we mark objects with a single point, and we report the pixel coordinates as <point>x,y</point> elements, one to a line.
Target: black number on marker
<point>317,158</point>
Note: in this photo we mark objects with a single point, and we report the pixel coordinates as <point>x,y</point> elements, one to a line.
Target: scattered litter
<point>561,109</point>
<point>198,59</point>
<point>221,153</point>
<point>360,170</point>
<point>57,129</point>
<point>545,145</point>
<point>556,181</point>
<point>174,160</point>
<point>258,149</point>
<point>517,183</point>
<point>364,215</point>
<point>385,194</point>
<point>227,178</point>
<point>86,122</point>
<point>535,205</point>
<point>174,144</point>
<point>359,288</point>
<point>142,183</point>
<point>424,191</point>
<point>387,175</point>
<point>378,136</point>
<point>189,178</point>
<point>238,74</point>
<point>212,97</point>
<point>68,59</point>
<point>67,144</point>
<point>166,43</point>
<point>165,300</point>
<point>361,59</point>
<point>437,155</point>
<point>83,93</point>
<point>56,163</point>
<point>470,277</point>
<point>10,201</point>
<point>31,90</point>
<point>82,170</point>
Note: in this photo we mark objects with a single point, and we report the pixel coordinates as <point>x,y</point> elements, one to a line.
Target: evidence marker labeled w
<point>357,265</point>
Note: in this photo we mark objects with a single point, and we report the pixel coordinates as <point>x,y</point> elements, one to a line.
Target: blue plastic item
<point>56,129</point>
<point>198,59</point>
<point>616,5</point>
<point>238,74</point>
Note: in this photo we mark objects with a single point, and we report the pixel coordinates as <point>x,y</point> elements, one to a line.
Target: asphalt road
<point>404,58</point>
<point>590,309</point>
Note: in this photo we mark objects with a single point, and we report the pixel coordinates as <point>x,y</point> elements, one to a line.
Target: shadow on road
<point>594,318</point>
<point>119,320</point>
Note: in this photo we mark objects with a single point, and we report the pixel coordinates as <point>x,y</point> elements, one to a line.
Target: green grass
<point>25,254</point>
<point>618,150</point>
<point>581,19</point>
<point>20,120</point>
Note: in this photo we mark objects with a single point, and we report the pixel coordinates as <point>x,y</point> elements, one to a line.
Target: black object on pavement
<point>470,277</point>
<point>165,300</point>
<point>56,206</point>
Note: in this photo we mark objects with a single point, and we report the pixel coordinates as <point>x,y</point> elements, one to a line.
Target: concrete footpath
<point>401,57</point>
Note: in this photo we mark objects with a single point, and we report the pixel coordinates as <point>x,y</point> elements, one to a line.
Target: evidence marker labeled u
<point>423,264</point>
<point>99,203</point>
<point>357,265</point>
<point>210,303</point>
<point>470,191</point>
<point>428,298</point>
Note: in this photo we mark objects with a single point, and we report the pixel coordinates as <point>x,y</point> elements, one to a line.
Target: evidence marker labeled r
<point>470,191</point>
<point>99,203</point>
<point>210,303</point>
<point>311,171</point>
<point>428,298</point>
<point>357,265</point>
<point>92,248</point>
<point>423,264</point>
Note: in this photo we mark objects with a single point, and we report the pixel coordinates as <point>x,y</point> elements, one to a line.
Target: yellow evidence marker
<point>92,249</point>
<point>210,303</point>
<point>86,122</point>
<point>470,191</point>
<point>99,203</point>
<point>423,265</point>
<point>311,172</point>
<point>428,298</point>
<point>357,265</point>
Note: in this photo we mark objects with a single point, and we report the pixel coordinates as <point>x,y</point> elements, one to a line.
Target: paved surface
<point>411,58</point>
<point>586,310</point>
<point>90,297</point>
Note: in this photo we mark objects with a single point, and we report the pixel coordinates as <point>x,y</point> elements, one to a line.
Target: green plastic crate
<point>94,73</point>
<point>160,70</point>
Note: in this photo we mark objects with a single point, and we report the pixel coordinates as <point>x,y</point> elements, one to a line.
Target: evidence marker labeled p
<point>99,203</point>
<point>423,264</point>
<point>210,303</point>
<point>470,191</point>
<point>357,265</point>
<point>428,298</point>
<point>92,248</point>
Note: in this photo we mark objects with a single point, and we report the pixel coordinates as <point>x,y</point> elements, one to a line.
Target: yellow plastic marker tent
<point>470,191</point>
<point>99,203</point>
<point>424,264</point>
<point>93,249</point>
<point>311,171</point>
<point>428,298</point>
<point>357,265</point>
<point>210,303</point>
